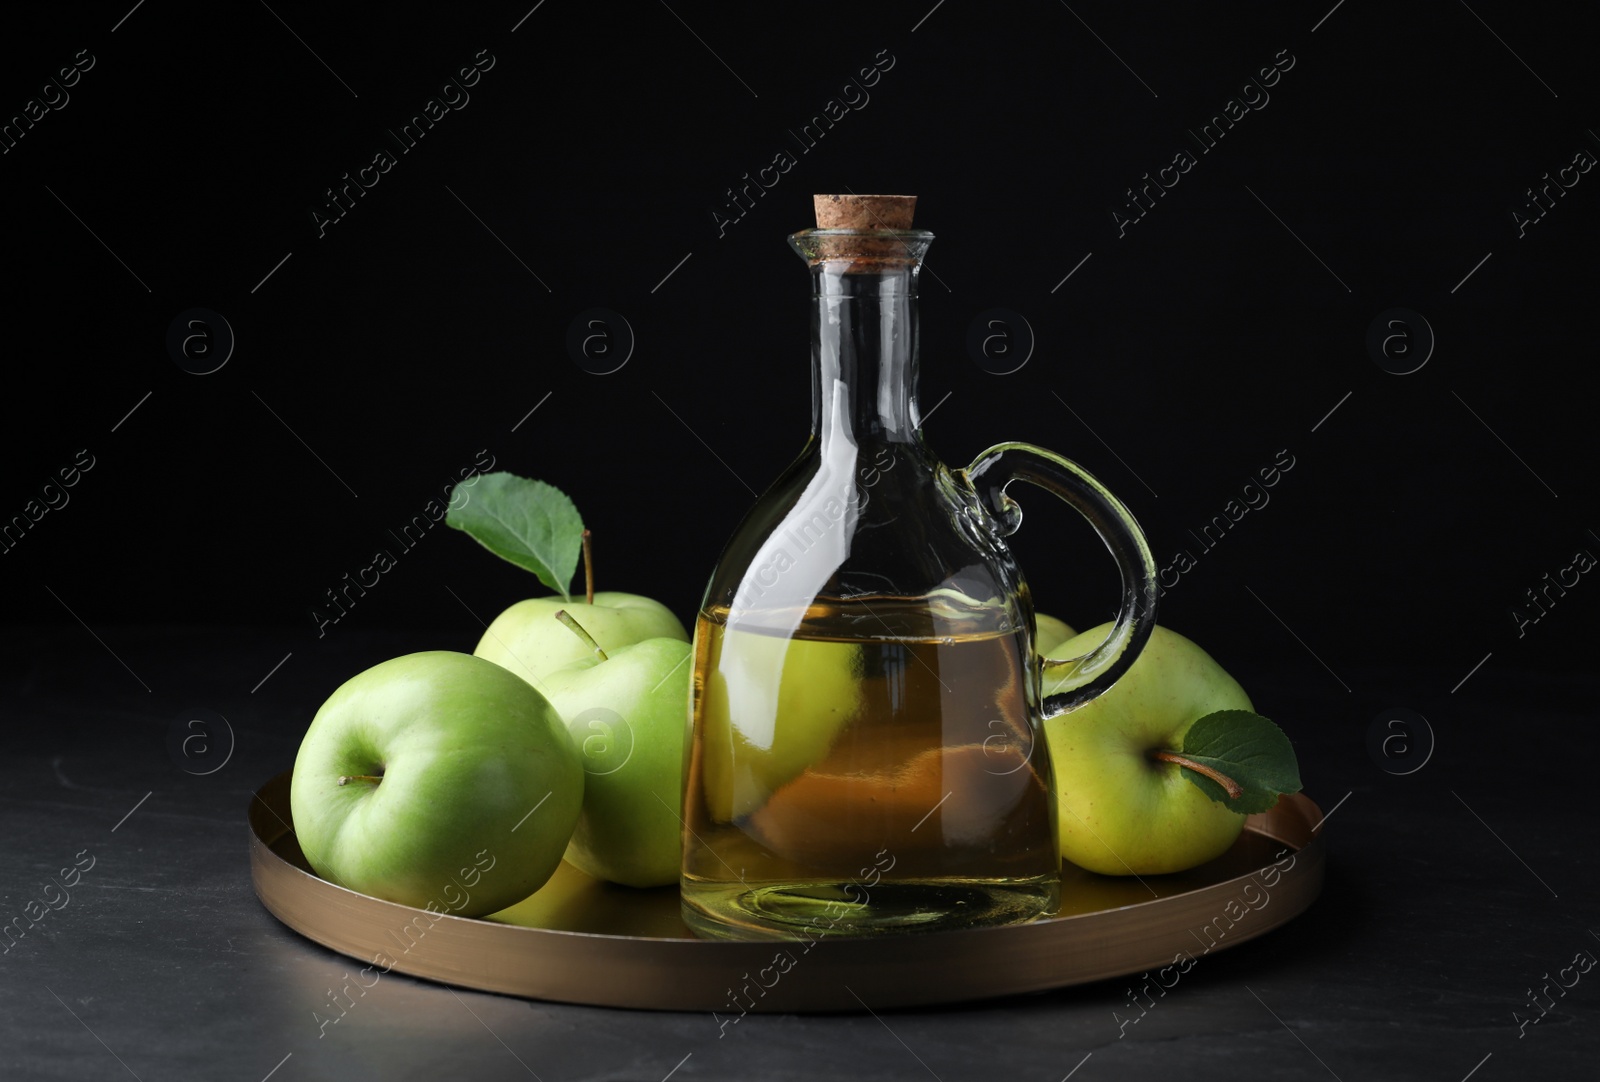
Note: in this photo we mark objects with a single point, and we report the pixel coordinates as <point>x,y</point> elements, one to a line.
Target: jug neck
<point>864,333</point>
<point>864,355</point>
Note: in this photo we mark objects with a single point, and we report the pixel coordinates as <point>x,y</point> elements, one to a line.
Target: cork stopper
<point>863,234</point>
<point>864,211</point>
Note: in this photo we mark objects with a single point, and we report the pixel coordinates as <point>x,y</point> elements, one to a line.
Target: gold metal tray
<point>578,940</point>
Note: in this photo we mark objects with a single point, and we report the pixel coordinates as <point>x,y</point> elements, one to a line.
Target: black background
<point>375,363</point>
<point>1190,351</point>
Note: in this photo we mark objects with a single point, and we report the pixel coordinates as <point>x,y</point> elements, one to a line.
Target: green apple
<point>771,708</point>
<point>627,713</point>
<point>1121,811</point>
<point>436,780</point>
<point>528,640</point>
<point>1050,633</point>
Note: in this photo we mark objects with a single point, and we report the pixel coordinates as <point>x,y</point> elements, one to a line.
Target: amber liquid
<point>863,767</point>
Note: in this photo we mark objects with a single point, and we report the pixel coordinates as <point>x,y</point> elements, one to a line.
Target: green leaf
<point>1247,748</point>
<point>530,523</point>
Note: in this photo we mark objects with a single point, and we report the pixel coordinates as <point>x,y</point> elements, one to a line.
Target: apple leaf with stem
<point>1239,759</point>
<point>529,523</point>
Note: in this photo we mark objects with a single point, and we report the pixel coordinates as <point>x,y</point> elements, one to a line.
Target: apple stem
<point>1234,789</point>
<point>588,569</point>
<point>577,629</point>
<point>345,779</point>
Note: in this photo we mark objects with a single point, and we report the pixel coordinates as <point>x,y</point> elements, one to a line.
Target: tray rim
<point>681,973</point>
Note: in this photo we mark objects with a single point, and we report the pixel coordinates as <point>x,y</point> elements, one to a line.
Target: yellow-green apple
<point>1122,811</point>
<point>1049,633</point>
<point>771,708</point>
<point>528,640</point>
<point>436,780</point>
<point>627,712</point>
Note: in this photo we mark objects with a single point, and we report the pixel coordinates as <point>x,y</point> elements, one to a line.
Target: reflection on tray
<point>574,902</point>
<point>581,941</point>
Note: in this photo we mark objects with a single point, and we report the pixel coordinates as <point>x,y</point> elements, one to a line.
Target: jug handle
<point>1092,673</point>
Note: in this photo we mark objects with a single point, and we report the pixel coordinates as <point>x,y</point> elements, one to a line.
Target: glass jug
<point>868,753</point>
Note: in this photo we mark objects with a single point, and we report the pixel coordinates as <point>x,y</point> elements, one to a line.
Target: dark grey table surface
<point>1455,894</point>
